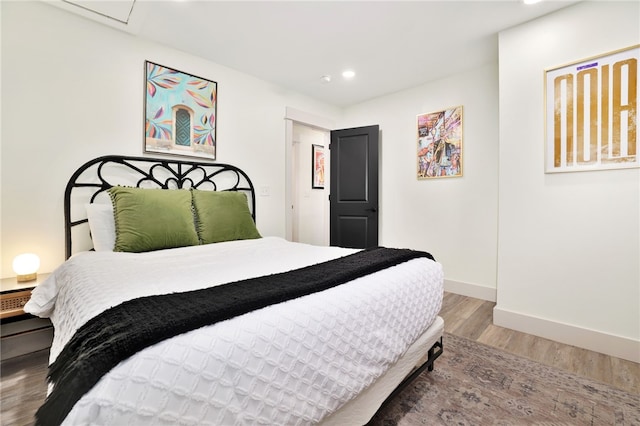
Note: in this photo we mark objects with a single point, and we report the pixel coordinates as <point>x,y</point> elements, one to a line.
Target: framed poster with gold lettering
<point>591,113</point>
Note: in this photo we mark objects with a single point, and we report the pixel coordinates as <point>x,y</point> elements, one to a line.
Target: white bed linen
<point>363,407</point>
<point>291,363</point>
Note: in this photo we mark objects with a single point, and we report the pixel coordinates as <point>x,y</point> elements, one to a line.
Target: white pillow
<point>102,226</point>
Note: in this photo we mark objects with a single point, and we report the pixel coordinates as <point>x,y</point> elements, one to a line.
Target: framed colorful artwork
<point>591,113</point>
<point>317,167</point>
<point>180,113</point>
<point>440,144</point>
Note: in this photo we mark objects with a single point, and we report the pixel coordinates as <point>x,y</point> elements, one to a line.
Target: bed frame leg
<point>434,352</point>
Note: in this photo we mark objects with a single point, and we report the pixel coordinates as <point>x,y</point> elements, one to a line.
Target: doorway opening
<point>306,207</point>
<point>310,200</point>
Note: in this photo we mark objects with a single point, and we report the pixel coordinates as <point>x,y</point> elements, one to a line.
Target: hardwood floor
<point>472,319</point>
<point>22,386</point>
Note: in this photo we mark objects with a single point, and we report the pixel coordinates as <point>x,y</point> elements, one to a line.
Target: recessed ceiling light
<point>531,1</point>
<point>325,79</point>
<point>348,74</point>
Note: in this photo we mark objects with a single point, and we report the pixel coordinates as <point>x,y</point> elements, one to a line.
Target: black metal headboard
<point>91,181</point>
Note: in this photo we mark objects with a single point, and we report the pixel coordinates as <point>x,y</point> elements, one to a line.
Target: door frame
<point>294,115</point>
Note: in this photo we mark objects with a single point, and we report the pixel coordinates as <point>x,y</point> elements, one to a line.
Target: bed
<point>331,355</point>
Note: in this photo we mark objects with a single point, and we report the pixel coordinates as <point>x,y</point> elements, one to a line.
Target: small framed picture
<point>317,167</point>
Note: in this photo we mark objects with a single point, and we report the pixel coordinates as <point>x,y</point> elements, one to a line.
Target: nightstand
<point>21,333</point>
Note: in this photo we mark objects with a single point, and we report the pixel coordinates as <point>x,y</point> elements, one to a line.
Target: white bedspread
<point>291,363</point>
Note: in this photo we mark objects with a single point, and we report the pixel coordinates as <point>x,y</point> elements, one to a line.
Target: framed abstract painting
<point>440,144</point>
<point>180,113</point>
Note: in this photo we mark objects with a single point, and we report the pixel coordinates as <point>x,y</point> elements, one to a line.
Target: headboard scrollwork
<point>90,182</point>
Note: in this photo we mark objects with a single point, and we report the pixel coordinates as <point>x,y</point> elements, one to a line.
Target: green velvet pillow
<point>152,219</point>
<point>223,216</point>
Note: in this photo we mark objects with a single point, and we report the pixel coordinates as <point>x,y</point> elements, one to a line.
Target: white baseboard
<point>470,290</point>
<point>617,346</point>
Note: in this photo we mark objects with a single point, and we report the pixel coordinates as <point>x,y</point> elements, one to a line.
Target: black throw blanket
<point>121,331</point>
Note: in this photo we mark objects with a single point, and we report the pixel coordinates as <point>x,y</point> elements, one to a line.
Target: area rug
<point>474,384</point>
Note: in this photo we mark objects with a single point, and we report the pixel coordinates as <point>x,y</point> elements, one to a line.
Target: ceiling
<point>391,45</point>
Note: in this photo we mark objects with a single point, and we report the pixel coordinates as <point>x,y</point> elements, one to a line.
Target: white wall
<point>311,220</point>
<point>73,90</point>
<point>569,243</point>
<point>455,219</point>
<point>565,259</point>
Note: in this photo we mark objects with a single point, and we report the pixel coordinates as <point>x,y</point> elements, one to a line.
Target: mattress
<point>296,362</point>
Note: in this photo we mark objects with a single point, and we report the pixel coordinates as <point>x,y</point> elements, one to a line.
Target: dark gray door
<point>353,218</point>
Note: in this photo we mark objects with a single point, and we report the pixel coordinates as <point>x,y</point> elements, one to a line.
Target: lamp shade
<point>26,266</point>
